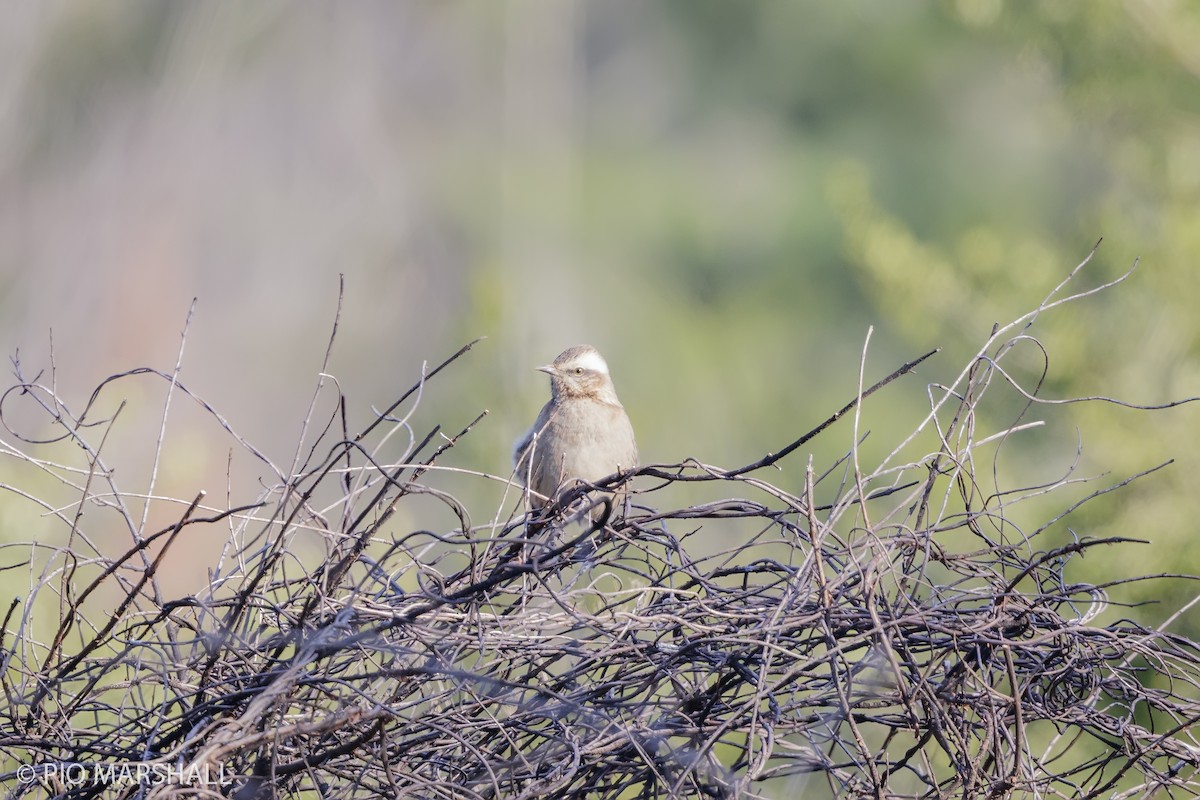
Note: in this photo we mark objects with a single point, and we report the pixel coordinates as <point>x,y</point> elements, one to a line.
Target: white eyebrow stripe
<point>591,360</point>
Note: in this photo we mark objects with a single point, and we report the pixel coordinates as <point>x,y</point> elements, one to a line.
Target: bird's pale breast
<point>582,439</point>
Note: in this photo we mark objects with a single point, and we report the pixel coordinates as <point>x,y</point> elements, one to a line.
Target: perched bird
<point>581,434</point>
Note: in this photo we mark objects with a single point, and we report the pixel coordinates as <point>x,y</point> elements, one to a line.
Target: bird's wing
<point>522,446</point>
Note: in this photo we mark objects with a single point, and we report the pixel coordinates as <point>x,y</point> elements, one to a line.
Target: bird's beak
<point>548,369</point>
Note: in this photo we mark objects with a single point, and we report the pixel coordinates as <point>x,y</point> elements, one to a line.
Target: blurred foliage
<point>721,196</point>
<point>969,153</point>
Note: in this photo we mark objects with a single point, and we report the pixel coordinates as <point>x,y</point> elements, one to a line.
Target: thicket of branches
<point>847,643</point>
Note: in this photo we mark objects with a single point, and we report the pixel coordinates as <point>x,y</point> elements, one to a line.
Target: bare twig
<point>847,648</point>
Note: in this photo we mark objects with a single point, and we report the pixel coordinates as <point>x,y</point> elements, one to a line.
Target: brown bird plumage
<point>581,434</point>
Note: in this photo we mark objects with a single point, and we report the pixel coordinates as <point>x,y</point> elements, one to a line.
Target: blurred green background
<point>721,196</point>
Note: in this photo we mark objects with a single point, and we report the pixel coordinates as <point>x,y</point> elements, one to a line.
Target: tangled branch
<point>888,632</point>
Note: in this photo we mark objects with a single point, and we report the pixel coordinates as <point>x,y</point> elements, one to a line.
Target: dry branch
<point>842,647</point>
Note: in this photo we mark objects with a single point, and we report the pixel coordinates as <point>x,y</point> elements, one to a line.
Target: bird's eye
<point>579,370</point>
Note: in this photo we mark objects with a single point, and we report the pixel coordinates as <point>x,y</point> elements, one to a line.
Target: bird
<point>581,434</point>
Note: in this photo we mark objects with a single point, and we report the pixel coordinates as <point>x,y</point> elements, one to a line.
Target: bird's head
<point>581,371</point>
